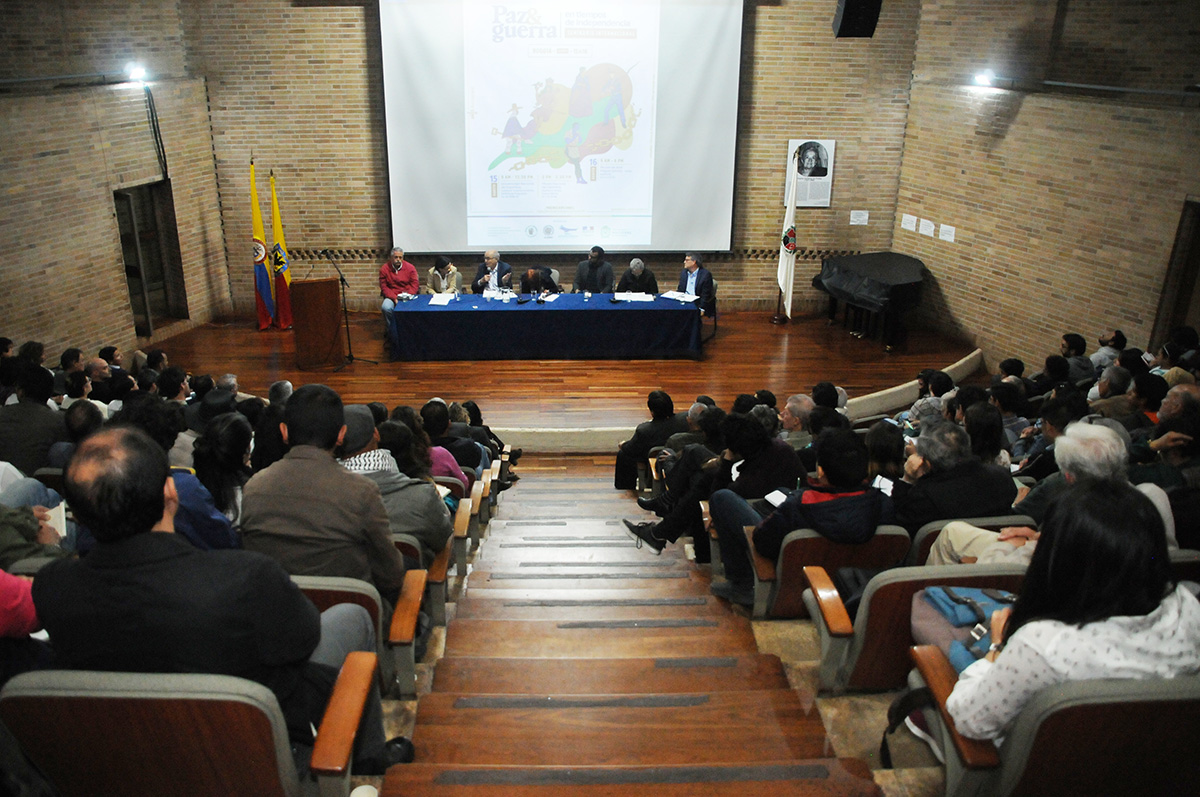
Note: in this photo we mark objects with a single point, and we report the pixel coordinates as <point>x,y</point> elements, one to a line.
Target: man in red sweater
<point>397,277</point>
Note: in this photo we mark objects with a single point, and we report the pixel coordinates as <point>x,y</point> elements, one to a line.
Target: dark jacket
<point>704,289</point>
<point>776,467</point>
<point>969,489</point>
<point>849,517</point>
<point>632,283</point>
<point>503,275</point>
<point>153,603</point>
<point>653,433</point>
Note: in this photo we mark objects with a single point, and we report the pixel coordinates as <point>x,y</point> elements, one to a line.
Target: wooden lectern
<point>317,322</point>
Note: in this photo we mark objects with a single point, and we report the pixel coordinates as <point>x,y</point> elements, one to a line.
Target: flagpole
<point>787,250</point>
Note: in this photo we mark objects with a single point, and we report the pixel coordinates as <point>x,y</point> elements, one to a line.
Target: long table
<point>571,327</point>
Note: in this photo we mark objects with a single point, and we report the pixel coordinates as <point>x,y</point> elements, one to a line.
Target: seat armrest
<point>940,677</point>
<point>462,518</point>
<point>335,740</point>
<point>833,611</point>
<point>764,568</point>
<point>404,619</point>
<point>441,563</point>
<point>477,494</point>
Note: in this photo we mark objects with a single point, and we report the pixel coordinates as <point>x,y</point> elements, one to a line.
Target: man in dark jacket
<point>653,433</point>
<point>943,481</point>
<point>146,601</point>
<point>838,506</point>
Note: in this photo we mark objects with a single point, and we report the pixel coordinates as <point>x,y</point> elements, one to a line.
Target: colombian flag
<point>264,298</point>
<point>279,265</point>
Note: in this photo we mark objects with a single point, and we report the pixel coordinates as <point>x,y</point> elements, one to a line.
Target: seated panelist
<point>539,282</point>
<point>492,273</point>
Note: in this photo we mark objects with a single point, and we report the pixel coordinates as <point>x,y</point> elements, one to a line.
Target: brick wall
<point>300,88</point>
<point>1065,208</point>
<point>62,155</point>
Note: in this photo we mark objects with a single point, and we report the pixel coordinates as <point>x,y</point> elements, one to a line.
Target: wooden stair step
<point>817,777</point>
<point>674,729</point>
<point>574,609</point>
<point>685,581</point>
<point>461,674</point>
<point>534,591</point>
<point>620,553</point>
<point>646,638</point>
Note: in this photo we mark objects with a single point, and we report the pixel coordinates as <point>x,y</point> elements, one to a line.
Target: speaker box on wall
<point>856,18</point>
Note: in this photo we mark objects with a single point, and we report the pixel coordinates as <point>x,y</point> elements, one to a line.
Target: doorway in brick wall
<point>150,246</point>
<point>1180,302</point>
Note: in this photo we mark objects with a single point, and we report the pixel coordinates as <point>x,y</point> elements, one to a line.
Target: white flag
<point>787,244</point>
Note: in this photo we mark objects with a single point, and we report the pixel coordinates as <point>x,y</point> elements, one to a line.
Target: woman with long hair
<point>1098,602</point>
<point>221,459</point>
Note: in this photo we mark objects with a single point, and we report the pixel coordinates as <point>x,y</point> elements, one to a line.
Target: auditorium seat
<point>779,585</point>
<point>1084,737</point>
<point>142,733</point>
<point>927,535</point>
<point>871,652</point>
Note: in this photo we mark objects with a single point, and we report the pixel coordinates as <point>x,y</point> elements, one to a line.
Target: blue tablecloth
<point>569,328</point>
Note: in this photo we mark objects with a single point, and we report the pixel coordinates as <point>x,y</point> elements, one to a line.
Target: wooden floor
<point>748,353</point>
<point>575,663</point>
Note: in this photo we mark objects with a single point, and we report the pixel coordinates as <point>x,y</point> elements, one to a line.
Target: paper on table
<point>681,296</point>
<point>551,297</point>
<point>629,296</point>
<point>440,299</point>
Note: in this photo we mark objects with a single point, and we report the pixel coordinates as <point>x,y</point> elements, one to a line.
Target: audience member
<point>82,419</point>
<point>824,394</point>
<point>794,420</point>
<point>279,392</point>
<point>838,505</point>
<point>441,462</point>
<point>99,372</point>
<point>173,385</point>
<point>29,428</point>
<point>312,515</point>
<point>70,361</point>
<point>885,450</point>
<point>1145,398</point>
<point>221,458</point>
<point>435,418</point>
<point>1097,602</point>
<point>765,463</point>
<point>942,479</point>
<point>676,442</point>
<point>985,427</point>
<point>413,506</point>
<point>1112,343</point>
<point>1109,392</point>
<point>1079,368</point>
<point>144,600</point>
<point>197,519</point>
<point>79,388</point>
<point>1055,372</point>
<point>663,423</point>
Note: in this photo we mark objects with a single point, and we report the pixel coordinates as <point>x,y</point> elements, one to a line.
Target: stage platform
<point>605,397</point>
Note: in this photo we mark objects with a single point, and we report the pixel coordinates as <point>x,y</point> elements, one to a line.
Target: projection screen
<point>554,126</point>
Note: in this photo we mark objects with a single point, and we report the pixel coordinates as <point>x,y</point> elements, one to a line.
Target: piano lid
<point>871,280</point>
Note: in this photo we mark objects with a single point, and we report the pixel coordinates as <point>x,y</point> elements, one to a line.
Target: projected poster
<point>560,122</point>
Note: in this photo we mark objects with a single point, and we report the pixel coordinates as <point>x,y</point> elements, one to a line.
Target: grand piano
<point>880,286</point>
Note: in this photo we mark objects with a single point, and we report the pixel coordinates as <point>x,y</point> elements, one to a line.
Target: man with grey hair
<point>1084,451</point>
<point>794,420</point>
<point>943,480</point>
<point>397,281</point>
<point>637,279</point>
<point>677,441</point>
<point>493,273</point>
<point>1110,399</point>
<point>279,392</point>
<point>768,417</point>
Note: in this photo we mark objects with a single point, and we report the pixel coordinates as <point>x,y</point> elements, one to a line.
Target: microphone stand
<point>350,358</point>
